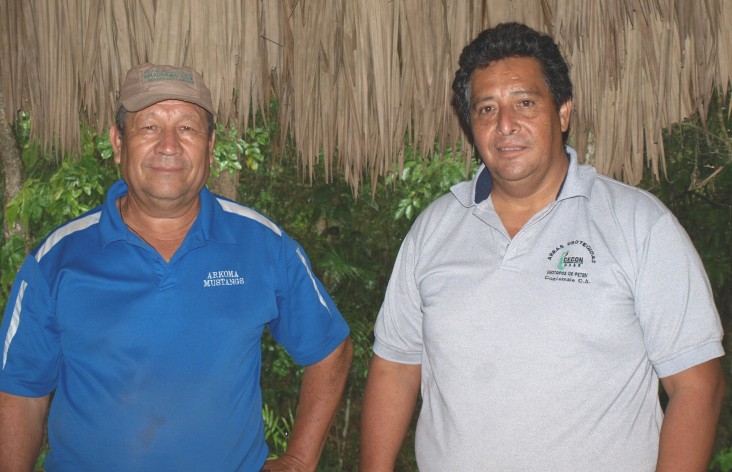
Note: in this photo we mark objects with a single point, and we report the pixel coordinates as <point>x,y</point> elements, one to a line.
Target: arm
<point>320,392</point>
<point>21,431</point>
<point>388,405</point>
<point>689,425</point>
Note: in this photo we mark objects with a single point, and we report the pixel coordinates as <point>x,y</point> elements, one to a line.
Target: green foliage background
<point>698,190</point>
<point>352,242</point>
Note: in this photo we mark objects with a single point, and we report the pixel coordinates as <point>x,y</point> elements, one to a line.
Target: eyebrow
<point>533,92</point>
<point>184,116</point>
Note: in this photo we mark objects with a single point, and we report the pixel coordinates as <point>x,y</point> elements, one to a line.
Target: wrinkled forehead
<point>521,71</point>
<point>170,110</point>
<point>526,73</point>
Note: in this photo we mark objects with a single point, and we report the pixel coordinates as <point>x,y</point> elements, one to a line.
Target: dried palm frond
<point>353,79</point>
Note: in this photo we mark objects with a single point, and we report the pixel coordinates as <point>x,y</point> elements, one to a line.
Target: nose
<point>169,143</point>
<point>506,123</point>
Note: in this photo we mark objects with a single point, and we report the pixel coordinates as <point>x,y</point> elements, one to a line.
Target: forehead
<point>172,109</point>
<point>509,72</point>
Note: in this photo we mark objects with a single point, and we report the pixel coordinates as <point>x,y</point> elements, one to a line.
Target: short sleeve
<point>398,328</point>
<point>674,301</point>
<point>31,353</point>
<point>309,326</point>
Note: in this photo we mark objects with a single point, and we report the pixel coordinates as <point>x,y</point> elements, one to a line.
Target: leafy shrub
<point>722,462</point>
<point>53,194</point>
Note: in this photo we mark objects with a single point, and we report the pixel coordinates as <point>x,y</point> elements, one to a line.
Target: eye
<point>486,110</point>
<point>526,103</point>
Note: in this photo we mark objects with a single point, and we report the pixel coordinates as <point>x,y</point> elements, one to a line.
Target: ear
<point>211,143</point>
<point>115,139</point>
<point>565,113</point>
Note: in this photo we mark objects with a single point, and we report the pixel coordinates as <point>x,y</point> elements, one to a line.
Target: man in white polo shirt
<point>537,306</point>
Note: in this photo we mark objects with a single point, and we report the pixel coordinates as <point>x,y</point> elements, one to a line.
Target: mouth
<point>166,166</point>
<point>166,169</point>
<point>509,148</point>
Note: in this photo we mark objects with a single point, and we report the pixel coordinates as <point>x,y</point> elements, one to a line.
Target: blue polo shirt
<point>155,365</point>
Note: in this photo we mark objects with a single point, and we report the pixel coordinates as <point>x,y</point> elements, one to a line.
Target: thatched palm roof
<point>352,77</point>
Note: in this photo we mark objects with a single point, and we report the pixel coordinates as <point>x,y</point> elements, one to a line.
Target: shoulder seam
<point>70,228</point>
<point>246,212</point>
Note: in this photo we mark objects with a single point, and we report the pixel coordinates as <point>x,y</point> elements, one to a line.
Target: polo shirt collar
<point>112,227</point>
<point>579,179</point>
<point>577,182</point>
<point>209,215</point>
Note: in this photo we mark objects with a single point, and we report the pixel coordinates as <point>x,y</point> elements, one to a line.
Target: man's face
<point>515,123</point>
<point>165,154</point>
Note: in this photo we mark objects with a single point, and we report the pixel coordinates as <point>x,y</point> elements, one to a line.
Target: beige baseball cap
<point>148,84</point>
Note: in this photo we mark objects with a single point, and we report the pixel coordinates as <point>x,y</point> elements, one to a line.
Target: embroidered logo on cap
<point>156,75</point>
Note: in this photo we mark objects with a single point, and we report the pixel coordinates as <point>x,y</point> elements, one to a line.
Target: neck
<point>165,235</point>
<point>516,203</point>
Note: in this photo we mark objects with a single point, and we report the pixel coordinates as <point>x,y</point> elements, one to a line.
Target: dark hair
<point>504,41</point>
<point>120,119</point>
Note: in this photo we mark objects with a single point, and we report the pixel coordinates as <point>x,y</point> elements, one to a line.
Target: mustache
<point>167,162</point>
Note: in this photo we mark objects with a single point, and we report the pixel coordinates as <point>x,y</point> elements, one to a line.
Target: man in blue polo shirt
<point>537,306</point>
<point>144,316</point>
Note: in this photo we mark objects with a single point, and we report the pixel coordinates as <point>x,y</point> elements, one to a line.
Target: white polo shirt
<point>543,352</point>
